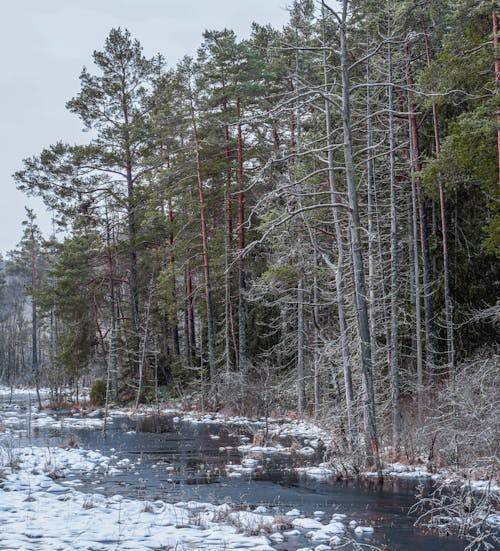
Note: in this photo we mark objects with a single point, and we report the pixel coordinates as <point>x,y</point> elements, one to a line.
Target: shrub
<point>98,393</point>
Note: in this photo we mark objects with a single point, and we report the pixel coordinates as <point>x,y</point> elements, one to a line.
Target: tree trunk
<point>190,325</point>
<point>175,324</point>
<point>300,348</point>
<point>394,367</point>
<point>339,272</point>
<point>448,305</point>
<point>34,331</point>
<point>370,176</point>
<point>131,227</point>
<point>113,352</point>
<point>206,263</point>
<point>355,223</point>
<point>227,286</point>
<point>494,17</point>
<point>315,313</point>
<point>229,333</point>
<point>417,295</point>
<point>142,357</point>
<point>424,242</point>
<point>242,309</point>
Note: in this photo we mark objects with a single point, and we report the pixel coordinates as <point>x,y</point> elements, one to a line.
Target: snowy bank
<point>38,511</point>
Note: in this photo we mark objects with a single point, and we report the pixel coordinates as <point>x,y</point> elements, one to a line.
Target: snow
<point>321,472</point>
<point>276,537</point>
<point>404,471</point>
<point>306,450</point>
<point>363,530</point>
<point>485,485</point>
<point>6,391</point>
<point>249,462</point>
<point>493,520</point>
<point>39,513</point>
<point>307,524</point>
<point>251,521</point>
<point>41,507</point>
<point>334,528</point>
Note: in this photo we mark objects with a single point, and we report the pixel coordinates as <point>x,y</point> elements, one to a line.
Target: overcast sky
<point>45,44</point>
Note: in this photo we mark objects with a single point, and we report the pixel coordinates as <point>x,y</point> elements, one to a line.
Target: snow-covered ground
<point>41,507</point>
<point>308,439</point>
<point>39,511</point>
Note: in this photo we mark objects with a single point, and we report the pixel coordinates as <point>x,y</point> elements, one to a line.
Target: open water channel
<point>183,461</point>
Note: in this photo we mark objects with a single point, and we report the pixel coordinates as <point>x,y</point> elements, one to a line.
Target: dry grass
<point>282,522</point>
<point>56,474</point>
<point>64,404</point>
<point>148,507</point>
<point>71,443</point>
<point>88,503</point>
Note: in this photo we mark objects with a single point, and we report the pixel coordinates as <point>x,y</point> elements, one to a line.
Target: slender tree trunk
<point>132,244</point>
<point>300,348</point>
<point>229,333</point>
<point>34,321</point>
<point>132,230</point>
<point>417,295</point>
<point>424,242</point>
<point>315,313</point>
<point>359,277</point>
<point>448,305</point>
<point>316,365</point>
<point>496,37</point>
<point>206,263</point>
<point>142,358</point>
<point>395,390</point>
<point>190,323</point>
<point>242,309</point>
<point>187,350</point>
<point>293,142</point>
<point>227,286</point>
<point>175,323</point>
<point>339,272</point>
<point>415,261</point>
<point>113,352</point>
<point>370,176</point>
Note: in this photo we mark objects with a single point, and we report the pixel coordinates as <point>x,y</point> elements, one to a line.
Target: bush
<point>98,393</point>
<point>150,395</point>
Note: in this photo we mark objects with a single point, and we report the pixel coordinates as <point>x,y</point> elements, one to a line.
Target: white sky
<point>44,45</point>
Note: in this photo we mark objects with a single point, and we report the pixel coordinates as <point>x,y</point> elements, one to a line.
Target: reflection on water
<point>187,461</point>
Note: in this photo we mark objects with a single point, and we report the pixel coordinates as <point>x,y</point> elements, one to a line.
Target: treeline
<point>303,220</point>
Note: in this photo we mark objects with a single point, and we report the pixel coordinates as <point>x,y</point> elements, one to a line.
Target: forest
<point>303,222</point>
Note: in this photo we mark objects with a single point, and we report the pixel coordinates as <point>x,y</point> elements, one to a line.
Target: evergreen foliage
<point>310,213</point>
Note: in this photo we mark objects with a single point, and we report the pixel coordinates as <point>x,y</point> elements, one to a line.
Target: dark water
<point>182,462</point>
